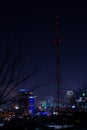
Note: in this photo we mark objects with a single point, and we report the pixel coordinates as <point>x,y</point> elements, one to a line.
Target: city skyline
<point>34,29</point>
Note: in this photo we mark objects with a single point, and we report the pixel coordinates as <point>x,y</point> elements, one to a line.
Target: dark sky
<point>33,27</point>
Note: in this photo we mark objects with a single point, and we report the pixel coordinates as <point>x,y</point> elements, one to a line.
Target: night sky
<point>34,28</point>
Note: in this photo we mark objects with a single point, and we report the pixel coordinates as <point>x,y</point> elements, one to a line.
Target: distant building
<point>50,101</point>
<point>71,103</point>
<point>26,101</point>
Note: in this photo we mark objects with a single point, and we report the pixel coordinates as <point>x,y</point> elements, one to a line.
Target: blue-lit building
<point>26,102</point>
<point>31,104</point>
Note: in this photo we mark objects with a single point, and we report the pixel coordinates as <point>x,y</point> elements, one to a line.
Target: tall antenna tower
<point>57,41</point>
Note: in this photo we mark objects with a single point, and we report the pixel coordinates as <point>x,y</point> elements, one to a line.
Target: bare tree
<point>12,73</point>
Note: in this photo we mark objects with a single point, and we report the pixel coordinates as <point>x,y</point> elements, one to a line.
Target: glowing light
<point>31,105</point>
<point>16,107</point>
<point>31,97</point>
<point>69,93</point>
<point>73,106</point>
<point>83,94</point>
<point>22,90</point>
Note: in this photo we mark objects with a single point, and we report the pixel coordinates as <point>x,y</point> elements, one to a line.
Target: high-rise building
<point>26,102</point>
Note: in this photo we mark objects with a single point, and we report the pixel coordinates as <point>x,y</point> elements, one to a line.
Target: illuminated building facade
<point>26,102</point>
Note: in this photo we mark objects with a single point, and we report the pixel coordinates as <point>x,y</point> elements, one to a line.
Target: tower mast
<point>58,71</point>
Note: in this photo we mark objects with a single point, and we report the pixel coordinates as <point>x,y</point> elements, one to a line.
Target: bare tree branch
<point>12,73</point>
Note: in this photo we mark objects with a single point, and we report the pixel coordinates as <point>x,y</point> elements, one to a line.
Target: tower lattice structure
<point>59,97</point>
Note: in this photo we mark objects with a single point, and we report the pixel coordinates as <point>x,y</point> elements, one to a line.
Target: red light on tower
<point>57,17</point>
<point>57,23</point>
